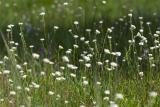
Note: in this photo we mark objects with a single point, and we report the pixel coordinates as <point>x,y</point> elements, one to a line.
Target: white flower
<point>21,71</point>
<point>109,30</point>
<point>153,94</point>
<point>73,75</point>
<point>10,26</point>
<point>82,38</point>
<point>10,80</point>
<point>81,60</point>
<point>50,93</point>
<point>119,96</point>
<point>97,31</point>
<point>113,64</point>
<point>12,93</point>
<point>60,47</point>
<point>109,37</point>
<point>19,87</point>
<point>20,23</point>
<point>22,106</point>
<point>43,73</point>
<point>118,53</point>
<point>65,3</point>
<point>153,65</point>
<point>1,62</point>
<point>131,41</point>
<point>75,46</point>
<point>106,98</point>
<point>16,44</point>
<point>139,58</point>
<point>88,30</point>
<point>51,63</point>
<point>58,73</point>
<point>25,63</point>
<point>138,34</point>
<point>88,65</point>
<point>86,42</point>
<point>82,106</point>
<point>76,22</point>
<point>141,30</point>
<point>69,51</point>
<point>70,30</point>
<point>85,82</point>
<point>141,74</point>
<point>101,21</point>
<point>46,60</point>
<point>107,92</point>
<point>103,2</point>
<point>31,46</point>
<point>6,58</point>
<point>8,30</point>
<point>42,39</point>
<point>84,78</point>
<point>99,63</point>
<point>141,43</point>
<point>56,27</point>
<point>62,67</point>
<point>107,51</point>
<point>18,67</point>
<point>14,48</point>
<point>75,36</point>
<point>98,83</point>
<point>94,40</point>
<point>24,76</point>
<point>158,32</point>
<point>109,69</point>
<point>42,13</point>
<point>35,85</point>
<point>1,100</point>
<point>6,71</point>
<point>156,35</point>
<point>156,41</point>
<point>73,67</point>
<point>27,89</point>
<point>121,19</point>
<point>130,14</point>
<point>106,61</point>
<point>94,102</point>
<point>86,58</point>
<point>65,59</point>
<point>66,102</point>
<point>133,27</point>
<point>140,18</point>
<point>60,78</point>
<point>148,23</point>
<point>35,56</point>
<point>113,105</point>
<point>113,53</point>
<point>90,55</point>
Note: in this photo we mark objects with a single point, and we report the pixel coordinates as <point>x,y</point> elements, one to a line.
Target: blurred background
<point>65,11</point>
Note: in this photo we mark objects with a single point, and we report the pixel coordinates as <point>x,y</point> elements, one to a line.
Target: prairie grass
<point>89,66</point>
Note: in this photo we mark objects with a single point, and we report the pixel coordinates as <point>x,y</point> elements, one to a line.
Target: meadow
<point>79,53</point>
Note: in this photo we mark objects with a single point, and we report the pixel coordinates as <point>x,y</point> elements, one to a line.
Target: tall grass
<point>92,65</point>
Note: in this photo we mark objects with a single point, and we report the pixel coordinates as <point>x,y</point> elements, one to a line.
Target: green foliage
<point>78,53</point>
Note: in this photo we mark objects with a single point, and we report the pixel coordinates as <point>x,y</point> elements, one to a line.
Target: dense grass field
<point>79,53</point>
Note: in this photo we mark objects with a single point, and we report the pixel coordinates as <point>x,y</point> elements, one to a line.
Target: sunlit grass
<point>89,66</point>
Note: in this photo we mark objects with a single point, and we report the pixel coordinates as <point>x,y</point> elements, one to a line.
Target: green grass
<point>57,13</point>
<point>65,60</point>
